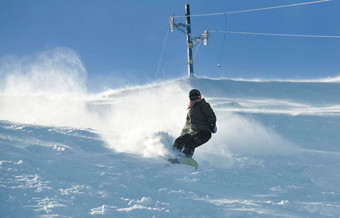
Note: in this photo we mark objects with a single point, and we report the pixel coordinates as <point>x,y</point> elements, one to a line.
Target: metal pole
<point>189,41</point>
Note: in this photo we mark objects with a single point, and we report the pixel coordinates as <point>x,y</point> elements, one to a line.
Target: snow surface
<point>72,154</point>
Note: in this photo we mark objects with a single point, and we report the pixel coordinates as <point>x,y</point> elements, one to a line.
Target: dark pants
<point>188,142</point>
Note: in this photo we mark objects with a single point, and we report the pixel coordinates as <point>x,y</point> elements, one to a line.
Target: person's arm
<point>186,128</point>
<point>210,116</point>
<point>209,113</point>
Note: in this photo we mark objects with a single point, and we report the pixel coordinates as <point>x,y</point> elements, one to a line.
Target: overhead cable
<point>160,62</point>
<point>278,34</point>
<point>258,9</point>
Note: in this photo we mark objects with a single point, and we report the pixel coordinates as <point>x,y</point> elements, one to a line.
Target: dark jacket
<point>199,117</point>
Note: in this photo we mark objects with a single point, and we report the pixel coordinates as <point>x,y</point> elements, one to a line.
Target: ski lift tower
<point>190,40</point>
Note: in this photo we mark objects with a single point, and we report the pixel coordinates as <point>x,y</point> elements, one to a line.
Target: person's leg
<point>180,142</point>
<point>201,137</point>
<point>195,141</point>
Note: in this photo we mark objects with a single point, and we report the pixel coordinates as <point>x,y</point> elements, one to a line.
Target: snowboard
<point>183,160</point>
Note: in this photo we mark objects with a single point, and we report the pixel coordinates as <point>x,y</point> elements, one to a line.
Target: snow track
<point>276,155</point>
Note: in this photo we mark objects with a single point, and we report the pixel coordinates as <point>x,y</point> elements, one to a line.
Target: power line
<point>224,36</point>
<point>160,62</point>
<point>258,9</point>
<point>199,44</point>
<point>277,34</point>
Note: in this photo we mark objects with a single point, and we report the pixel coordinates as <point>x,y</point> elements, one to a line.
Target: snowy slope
<point>276,152</point>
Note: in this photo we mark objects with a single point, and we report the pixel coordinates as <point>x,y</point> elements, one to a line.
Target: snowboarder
<point>200,123</point>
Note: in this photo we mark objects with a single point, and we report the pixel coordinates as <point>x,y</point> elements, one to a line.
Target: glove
<point>213,127</point>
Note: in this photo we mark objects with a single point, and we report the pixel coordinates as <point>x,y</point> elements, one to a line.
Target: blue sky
<point>124,39</point>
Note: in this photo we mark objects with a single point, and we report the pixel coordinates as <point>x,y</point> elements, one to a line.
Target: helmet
<point>194,94</point>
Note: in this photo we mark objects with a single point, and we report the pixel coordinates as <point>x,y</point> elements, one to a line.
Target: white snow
<point>276,152</point>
